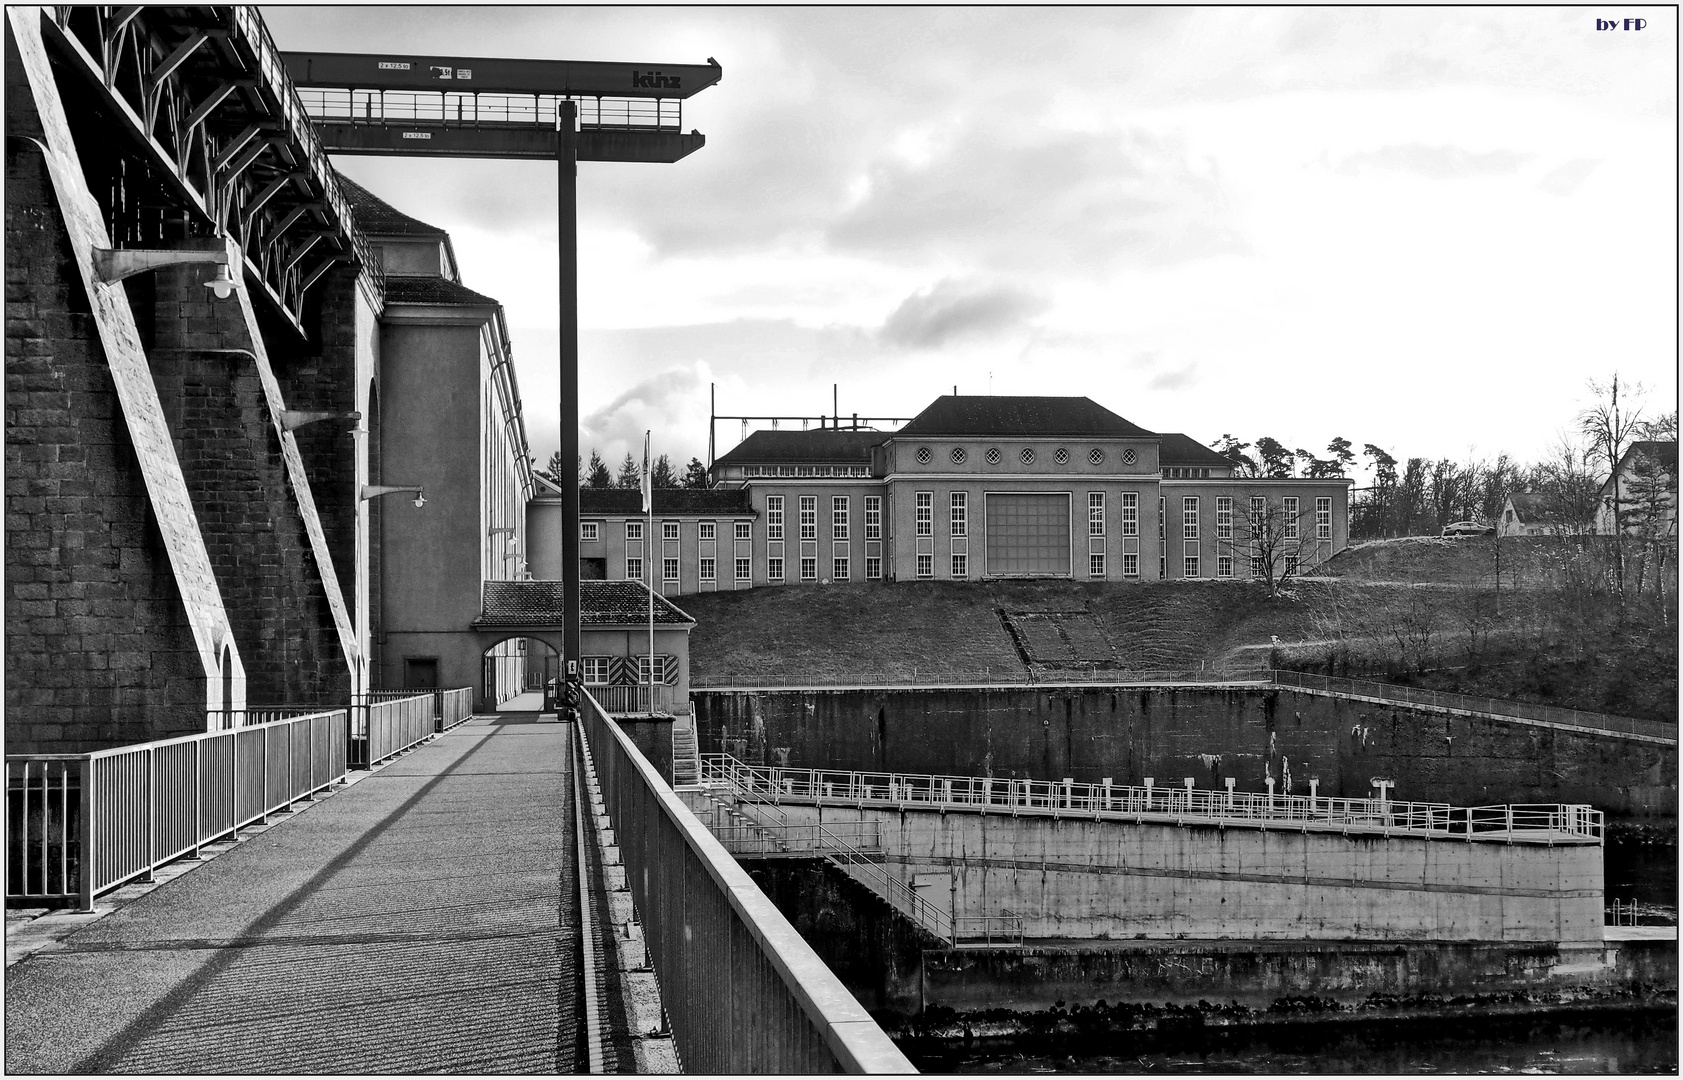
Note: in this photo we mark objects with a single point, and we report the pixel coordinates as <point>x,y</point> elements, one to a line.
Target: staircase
<point>686,756</point>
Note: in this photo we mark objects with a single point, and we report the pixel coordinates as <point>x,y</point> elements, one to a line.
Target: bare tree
<point>1610,426</point>
<point>1273,541</point>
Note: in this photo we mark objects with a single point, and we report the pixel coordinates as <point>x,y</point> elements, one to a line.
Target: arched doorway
<point>515,672</point>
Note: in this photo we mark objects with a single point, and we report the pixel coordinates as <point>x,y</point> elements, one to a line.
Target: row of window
<point>806,470</point>
<point>707,530</point>
<point>958,455</point>
<point>841,567</point>
<point>958,518</point>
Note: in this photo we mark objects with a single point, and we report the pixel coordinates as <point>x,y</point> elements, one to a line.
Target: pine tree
<point>695,475</point>
<point>630,473</point>
<point>662,475</point>
<point>596,475</point>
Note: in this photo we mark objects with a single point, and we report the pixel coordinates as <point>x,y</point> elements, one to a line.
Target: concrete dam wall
<point>1207,733</point>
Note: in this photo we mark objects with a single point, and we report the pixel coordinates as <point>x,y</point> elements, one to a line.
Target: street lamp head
<point>420,498</point>
<point>222,285</point>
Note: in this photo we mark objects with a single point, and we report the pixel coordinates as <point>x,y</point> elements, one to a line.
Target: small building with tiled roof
<point>1536,514</point>
<point>984,486</point>
<point>1645,484</point>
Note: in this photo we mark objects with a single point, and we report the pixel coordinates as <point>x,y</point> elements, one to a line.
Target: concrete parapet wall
<point>1207,733</point>
<point>1081,879</point>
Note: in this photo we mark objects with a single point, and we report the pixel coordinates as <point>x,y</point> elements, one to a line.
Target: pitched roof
<point>827,445</point>
<point>683,501</point>
<point>433,290</point>
<point>376,217</point>
<point>1005,416</point>
<point>1536,508</point>
<point>1663,452</point>
<point>1177,449</point>
<point>601,603</point>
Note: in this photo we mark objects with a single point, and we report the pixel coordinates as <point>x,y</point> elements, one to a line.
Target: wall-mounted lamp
<point>111,265</point>
<point>374,491</point>
<point>292,419</point>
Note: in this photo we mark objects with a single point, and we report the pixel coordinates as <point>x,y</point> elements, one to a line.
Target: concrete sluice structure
<point>1039,896</point>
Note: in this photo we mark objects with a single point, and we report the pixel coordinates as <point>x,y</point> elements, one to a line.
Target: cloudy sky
<point>1420,228</point>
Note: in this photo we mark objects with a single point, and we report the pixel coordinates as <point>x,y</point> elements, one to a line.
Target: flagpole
<point>648,530</point>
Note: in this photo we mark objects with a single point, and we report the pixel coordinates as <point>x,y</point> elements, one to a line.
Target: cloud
<point>1009,196</point>
<point>1567,178</point>
<point>1174,380</point>
<point>1435,162</point>
<point>671,405</point>
<point>953,310</point>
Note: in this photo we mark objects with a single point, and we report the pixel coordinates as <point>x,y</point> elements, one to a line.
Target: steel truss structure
<point>211,140</point>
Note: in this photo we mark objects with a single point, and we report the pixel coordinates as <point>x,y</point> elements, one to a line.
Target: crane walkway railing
<point>78,825</point>
<point>471,109</point>
<point>1519,823</point>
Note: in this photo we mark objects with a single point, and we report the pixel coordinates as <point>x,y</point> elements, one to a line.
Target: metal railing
<point>746,840</point>
<point>228,719</point>
<point>1091,675</point>
<point>488,109</point>
<point>642,698</point>
<point>985,931</point>
<point>386,728</point>
<point>81,824</point>
<point>743,991</point>
<point>450,705</point>
<point>1529,823</point>
<point>1521,710</point>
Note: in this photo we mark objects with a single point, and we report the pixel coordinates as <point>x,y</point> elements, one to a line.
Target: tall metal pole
<point>567,200</point>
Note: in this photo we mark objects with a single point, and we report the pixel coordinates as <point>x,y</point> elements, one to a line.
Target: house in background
<point>1646,486</point>
<point>1536,514</point>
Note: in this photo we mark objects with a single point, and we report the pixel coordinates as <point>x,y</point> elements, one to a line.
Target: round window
<point>1027,455</point>
<point>958,455</point>
<point>1061,456</point>
<point>1129,457</point>
<point>1095,456</point>
<point>993,455</point>
<point>923,455</point>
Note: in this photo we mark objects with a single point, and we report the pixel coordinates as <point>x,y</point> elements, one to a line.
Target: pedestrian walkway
<point>422,920</point>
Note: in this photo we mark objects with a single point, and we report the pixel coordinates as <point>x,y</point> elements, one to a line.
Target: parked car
<point>1468,528</point>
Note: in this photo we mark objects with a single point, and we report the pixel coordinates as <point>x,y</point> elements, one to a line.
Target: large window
<point>1130,564</point>
<point>959,517</point>
<point>774,569</point>
<point>873,567</point>
<point>926,566</point>
<point>634,530</point>
<point>1224,566</point>
<point>1288,510</point>
<point>838,517</point>
<point>744,570</point>
<point>669,569</point>
<point>809,569</point>
<point>961,566</point>
<point>588,530</point>
<point>594,669</point>
<point>1095,564</point>
<point>1028,535</point>
<point>873,517</point>
<point>841,568</point>
<point>1130,514</point>
<point>1259,515</point>
<point>745,530</point>
<point>709,530</point>
<point>1191,567</point>
<point>709,568</point>
<point>1189,517</point>
<point>1095,513</point>
<point>1224,518</point>
<point>634,569</point>
<point>926,513</point>
<point>1323,519</point>
<point>774,517</point>
<point>809,517</point>
<point>669,530</point>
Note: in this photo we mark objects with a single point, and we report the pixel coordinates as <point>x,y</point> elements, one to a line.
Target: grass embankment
<point>1422,610</point>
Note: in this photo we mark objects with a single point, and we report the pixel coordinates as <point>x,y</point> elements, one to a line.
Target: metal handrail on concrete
<point>82,824</point>
<point>633,698</point>
<point>1487,706</point>
<point>744,992</point>
<point>1529,823</point>
<point>450,705</point>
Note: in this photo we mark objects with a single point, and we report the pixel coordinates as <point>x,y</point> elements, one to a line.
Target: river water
<point>1626,1043</point>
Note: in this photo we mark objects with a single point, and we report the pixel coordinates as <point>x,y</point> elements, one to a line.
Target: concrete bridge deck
<point>423,919</point>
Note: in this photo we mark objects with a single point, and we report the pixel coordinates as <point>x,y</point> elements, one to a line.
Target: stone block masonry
<point>231,458</point>
<point>99,648</point>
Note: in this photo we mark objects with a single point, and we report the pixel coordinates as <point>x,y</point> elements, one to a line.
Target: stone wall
<point>99,650</point>
<point>1207,733</point>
